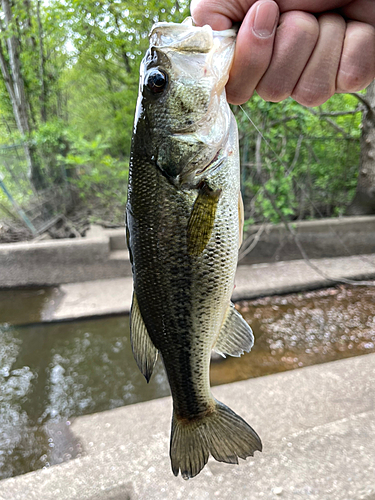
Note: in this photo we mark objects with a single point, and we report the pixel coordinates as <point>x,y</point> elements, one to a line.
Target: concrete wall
<point>59,261</point>
<point>104,255</point>
<point>339,237</point>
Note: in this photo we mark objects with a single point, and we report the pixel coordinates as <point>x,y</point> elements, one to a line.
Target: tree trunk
<point>27,21</point>
<point>42,63</point>
<point>364,199</point>
<point>16,89</point>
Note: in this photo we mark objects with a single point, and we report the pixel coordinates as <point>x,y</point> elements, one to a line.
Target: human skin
<point>307,49</point>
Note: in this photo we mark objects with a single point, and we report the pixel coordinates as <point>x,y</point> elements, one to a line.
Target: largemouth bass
<point>184,226</point>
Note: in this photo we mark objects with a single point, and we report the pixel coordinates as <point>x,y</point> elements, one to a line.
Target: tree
<point>15,85</point>
<point>364,199</point>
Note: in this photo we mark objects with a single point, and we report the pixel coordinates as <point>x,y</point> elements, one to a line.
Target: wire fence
<point>20,203</point>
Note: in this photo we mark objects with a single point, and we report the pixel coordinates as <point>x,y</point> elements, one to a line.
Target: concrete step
<point>90,299</point>
<point>122,255</point>
<point>113,296</point>
<point>318,430</point>
<point>292,276</point>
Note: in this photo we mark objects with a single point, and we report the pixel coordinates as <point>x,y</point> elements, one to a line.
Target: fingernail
<point>266,16</point>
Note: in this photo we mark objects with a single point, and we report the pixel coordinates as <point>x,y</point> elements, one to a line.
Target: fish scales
<point>183,230</point>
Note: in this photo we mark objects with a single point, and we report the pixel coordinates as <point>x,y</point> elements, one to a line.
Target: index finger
<point>220,14</point>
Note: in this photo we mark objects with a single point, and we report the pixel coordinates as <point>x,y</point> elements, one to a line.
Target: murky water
<point>27,305</point>
<point>50,373</point>
<point>303,329</point>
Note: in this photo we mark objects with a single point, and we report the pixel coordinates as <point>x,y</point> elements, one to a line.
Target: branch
<point>6,76</point>
<point>331,122</point>
<point>283,120</point>
<point>306,258</point>
<point>254,240</point>
<point>364,101</point>
<point>325,113</point>
<point>296,155</point>
<point>342,113</point>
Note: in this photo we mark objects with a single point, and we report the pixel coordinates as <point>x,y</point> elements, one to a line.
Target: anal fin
<point>144,351</point>
<point>236,336</point>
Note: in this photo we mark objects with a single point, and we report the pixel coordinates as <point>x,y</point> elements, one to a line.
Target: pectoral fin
<point>202,219</point>
<point>236,336</point>
<point>144,351</point>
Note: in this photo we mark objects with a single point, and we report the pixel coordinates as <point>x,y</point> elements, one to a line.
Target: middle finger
<point>318,80</point>
<point>295,39</point>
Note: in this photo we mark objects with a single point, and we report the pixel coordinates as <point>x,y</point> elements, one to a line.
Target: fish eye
<point>156,81</point>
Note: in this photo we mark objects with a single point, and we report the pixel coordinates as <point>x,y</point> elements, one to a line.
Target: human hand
<point>307,49</point>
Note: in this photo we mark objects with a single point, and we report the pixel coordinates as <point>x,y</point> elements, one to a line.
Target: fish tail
<point>221,433</point>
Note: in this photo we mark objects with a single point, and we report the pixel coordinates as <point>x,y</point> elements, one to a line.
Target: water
<point>303,329</point>
<point>51,373</point>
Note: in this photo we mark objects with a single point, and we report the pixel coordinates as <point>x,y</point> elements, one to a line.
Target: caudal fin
<point>222,433</point>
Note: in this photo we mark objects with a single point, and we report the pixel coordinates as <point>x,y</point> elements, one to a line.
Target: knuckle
<point>304,24</point>
<point>332,19</point>
<point>202,11</point>
<point>272,93</point>
<point>197,9</point>
<point>313,94</point>
<point>238,98</point>
<point>355,78</point>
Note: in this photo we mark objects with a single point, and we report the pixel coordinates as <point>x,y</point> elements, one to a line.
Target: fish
<point>184,219</point>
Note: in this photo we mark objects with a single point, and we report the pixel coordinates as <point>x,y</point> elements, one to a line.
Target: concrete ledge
<point>59,261</point>
<point>336,237</point>
<point>293,276</point>
<point>101,297</point>
<point>113,296</point>
<point>103,254</point>
<point>318,430</point>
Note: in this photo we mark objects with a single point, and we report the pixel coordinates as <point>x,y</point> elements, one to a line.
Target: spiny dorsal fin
<point>144,351</point>
<point>236,336</point>
<point>202,218</point>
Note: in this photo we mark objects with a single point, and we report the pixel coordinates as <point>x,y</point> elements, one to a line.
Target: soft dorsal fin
<point>144,351</point>
<point>241,219</point>
<point>236,336</point>
<point>202,218</point>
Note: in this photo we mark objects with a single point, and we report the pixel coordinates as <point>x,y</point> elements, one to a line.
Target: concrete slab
<point>291,276</point>
<point>318,430</point>
<point>100,297</point>
<point>90,299</point>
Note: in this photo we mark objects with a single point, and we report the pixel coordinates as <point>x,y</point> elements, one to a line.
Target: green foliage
<point>87,84</point>
<point>307,162</point>
<point>100,179</point>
